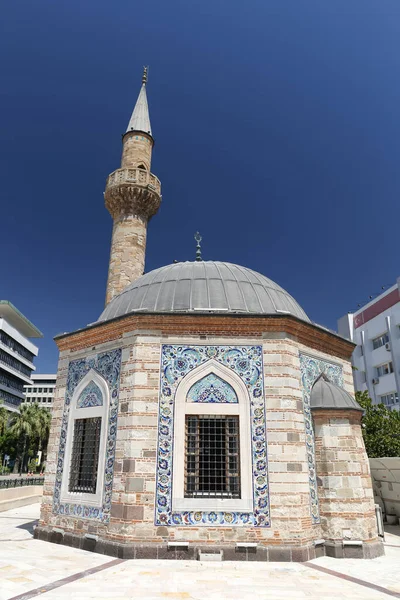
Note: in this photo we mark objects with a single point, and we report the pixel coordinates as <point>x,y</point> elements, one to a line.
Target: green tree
<point>41,419</point>
<point>4,416</point>
<point>29,430</point>
<point>380,427</point>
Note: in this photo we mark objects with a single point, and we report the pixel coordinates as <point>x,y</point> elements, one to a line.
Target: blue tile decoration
<point>176,363</point>
<point>212,389</point>
<point>90,396</point>
<point>108,365</point>
<point>311,368</point>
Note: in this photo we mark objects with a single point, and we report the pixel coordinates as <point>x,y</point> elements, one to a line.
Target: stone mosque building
<point>203,413</point>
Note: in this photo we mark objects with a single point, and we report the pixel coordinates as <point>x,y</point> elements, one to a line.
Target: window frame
<point>183,408</point>
<point>95,499</point>
<point>199,471</point>
<point>389,366</point>
<point>75,477</point>
<point>381,339</point>
<point>387,400</point>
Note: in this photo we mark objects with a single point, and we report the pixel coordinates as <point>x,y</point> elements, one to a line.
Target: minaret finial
<point>198,239</point>
<point>145,73</point>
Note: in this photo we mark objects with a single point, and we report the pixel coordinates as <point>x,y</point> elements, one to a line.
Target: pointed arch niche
<point>91,399</point>
<point>229,397</point>
<point>311,368</point>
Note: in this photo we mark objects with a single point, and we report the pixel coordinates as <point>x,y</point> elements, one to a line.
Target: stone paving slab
<point>27,564</point>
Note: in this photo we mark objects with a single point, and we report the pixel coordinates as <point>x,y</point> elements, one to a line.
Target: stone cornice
<point>235,326</point>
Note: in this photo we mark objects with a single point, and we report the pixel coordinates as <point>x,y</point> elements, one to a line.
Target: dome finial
<point>198,239</point>
<point>144,76</point>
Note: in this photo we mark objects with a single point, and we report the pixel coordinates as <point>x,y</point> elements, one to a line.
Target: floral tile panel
<point>108,365</point>
<point>176,362</point>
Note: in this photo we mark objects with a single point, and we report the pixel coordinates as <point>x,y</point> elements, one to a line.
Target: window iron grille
<point>212,457</point>
<point>85,455</point>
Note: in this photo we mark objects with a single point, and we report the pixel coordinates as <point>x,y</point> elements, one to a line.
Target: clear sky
<point>277,127</point>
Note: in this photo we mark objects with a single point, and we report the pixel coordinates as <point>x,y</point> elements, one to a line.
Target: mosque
<point>203,415</point>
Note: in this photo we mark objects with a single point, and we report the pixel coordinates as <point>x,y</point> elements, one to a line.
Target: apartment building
<point>41,391</point>
<point>375,328</point>
<point>17,354</point>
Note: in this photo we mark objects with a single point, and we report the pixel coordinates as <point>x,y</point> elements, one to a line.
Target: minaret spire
<point>132,196</point>
<point>140,119</point>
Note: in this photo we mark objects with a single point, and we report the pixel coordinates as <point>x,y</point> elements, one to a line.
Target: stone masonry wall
<point>132,517</point>
<point>136,150</point>
<point>287,457</point>
<point>46,515</point>
<point>345,494</point>
<point>127,256</point>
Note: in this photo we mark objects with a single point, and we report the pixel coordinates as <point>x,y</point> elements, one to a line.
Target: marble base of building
<point>190,551</point>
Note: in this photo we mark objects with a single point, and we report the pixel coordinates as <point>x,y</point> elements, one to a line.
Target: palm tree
<point>42,419</point>
<point>24,425</point>
<point>4,416</point>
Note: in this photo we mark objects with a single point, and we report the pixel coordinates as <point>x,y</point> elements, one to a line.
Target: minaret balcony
<point>132,191</point>
<point>134,176</point>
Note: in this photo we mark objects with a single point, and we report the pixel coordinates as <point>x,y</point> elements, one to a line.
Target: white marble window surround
<point>96,499</point>
<point>183,408</point>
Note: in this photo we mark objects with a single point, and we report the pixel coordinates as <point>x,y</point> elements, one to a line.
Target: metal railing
<point>20,482</point>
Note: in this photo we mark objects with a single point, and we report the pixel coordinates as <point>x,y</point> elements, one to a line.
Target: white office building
<point>17,353</point>
<point>375,328</point>
<point>41,391</point>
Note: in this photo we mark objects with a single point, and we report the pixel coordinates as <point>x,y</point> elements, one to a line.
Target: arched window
<point>83,473</point>
<point>212,457</point>
<point>212,452</point>
<point>141,167</point>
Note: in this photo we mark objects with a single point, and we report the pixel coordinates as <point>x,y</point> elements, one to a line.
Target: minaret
<point>132,196</point>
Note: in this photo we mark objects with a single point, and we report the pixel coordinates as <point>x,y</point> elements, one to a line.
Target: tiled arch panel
<point>108,365</point>
<point>176,362</point>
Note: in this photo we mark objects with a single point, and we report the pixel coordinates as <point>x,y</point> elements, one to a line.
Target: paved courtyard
<point>31,568</point>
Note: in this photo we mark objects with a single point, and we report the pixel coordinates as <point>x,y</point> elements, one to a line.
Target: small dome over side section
<point>325,394</point>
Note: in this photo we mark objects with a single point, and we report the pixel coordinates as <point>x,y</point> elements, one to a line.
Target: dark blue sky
<point>277,127</point>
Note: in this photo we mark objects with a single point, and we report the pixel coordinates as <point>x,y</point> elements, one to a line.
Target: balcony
<point>138,176</point>
<point>132,191</point>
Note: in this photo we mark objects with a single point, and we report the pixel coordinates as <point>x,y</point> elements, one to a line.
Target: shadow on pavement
<point>393,529</point>
<point>29,526</point>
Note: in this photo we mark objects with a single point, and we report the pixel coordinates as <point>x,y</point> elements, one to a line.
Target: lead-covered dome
<point>204,286</point>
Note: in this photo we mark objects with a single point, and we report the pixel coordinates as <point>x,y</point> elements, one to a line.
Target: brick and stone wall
<point>345,491</point>
<point>292,529</point>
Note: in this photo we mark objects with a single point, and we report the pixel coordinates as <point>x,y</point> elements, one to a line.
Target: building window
<point>15,346</point>
<point>390,399</point>
<point>380,341</point>
<point>212,456</point>
<point>85,455</point>
<point>14,363</point>
<point>384,369</point>
<point>10,381</point>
